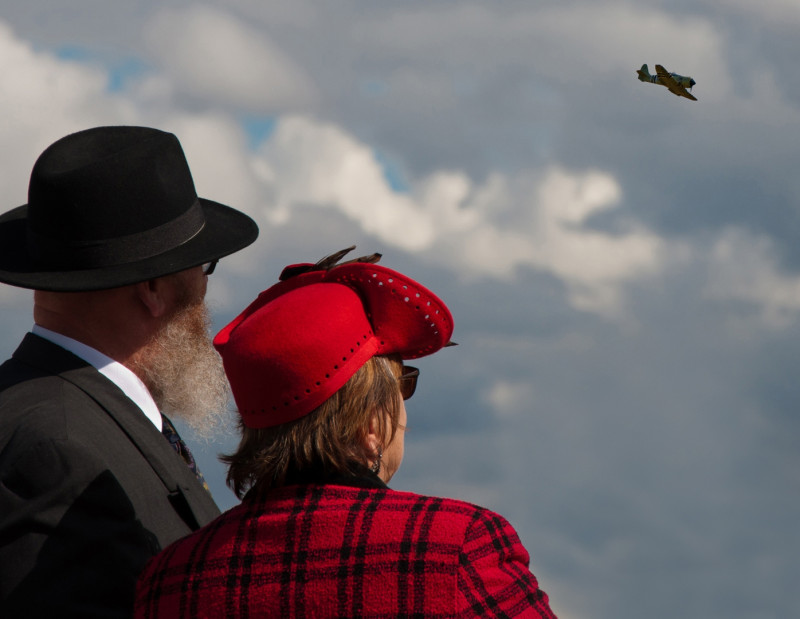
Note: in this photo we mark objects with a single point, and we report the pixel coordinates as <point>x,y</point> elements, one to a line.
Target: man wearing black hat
<point>93,478</point>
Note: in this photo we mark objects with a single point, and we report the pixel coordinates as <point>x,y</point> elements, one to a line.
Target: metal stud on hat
<point>302,339</point>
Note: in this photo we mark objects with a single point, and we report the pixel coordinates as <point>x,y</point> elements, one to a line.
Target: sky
<point>622,264</point>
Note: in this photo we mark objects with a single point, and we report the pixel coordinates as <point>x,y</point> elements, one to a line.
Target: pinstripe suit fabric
<point>335,551</point>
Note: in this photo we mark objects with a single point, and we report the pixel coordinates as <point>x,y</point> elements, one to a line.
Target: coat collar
<point>113,370</point>
<point>362,478</point>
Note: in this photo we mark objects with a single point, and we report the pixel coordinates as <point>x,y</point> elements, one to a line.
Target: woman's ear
<point>373,440</point>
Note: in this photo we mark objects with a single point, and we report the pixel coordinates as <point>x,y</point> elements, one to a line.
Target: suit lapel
<point>187,494</point>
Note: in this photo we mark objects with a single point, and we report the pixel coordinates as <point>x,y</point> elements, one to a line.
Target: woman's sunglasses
<point>408,381</point>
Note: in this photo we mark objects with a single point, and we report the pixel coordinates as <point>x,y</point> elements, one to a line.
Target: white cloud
<point>52,97</point>
<point>592,263</point>
<point>508,398</point>
<point>44,98</point>
<point>218,156</point>
<point>210,54</point>
<point>484,230</point>
<point>319,164</point>
<point>744,267</point>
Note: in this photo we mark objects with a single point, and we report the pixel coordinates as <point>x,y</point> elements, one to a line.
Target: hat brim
<point>226,231</point>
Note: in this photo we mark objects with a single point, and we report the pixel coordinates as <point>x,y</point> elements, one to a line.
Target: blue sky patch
<point>258,129</point>
<point>120,70</point>
<point>393,173</point>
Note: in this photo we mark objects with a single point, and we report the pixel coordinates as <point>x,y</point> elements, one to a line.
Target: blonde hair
<point>329,440</point>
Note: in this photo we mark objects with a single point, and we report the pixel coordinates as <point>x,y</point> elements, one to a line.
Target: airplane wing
<point>674,87</point>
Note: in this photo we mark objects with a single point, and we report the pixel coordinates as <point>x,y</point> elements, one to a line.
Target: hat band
<point>126,249</point>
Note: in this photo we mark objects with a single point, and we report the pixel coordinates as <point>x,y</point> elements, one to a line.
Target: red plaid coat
<point>334,551</point>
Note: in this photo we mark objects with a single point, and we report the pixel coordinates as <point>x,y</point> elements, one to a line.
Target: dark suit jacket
<point>89,488</point>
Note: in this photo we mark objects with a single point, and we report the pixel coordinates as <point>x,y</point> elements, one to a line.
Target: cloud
<point>566,42</point>
<point>52,97</point>
<point>509,398</point>
<point>602,38</point>
<point>311,163</point>
<point>44,98</point>
<point>781,12</point>
<point>536,219</point>
<point>745,267</point>
<point>210,54</point>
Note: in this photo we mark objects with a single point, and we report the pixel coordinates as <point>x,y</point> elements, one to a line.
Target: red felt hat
<point>302,339</point>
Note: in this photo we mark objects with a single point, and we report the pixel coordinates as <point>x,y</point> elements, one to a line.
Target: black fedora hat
<point>112,206</point>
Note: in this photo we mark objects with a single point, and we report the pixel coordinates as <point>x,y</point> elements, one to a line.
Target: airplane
<point>677,84</point>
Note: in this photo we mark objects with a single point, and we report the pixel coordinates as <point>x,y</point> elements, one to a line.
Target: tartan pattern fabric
<point>176,442</point>
<point>333,551</point>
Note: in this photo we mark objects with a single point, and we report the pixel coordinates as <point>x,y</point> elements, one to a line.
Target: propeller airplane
<point>677,84</point>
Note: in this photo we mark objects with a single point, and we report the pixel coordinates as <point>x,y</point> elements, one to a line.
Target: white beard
<point>184,373</point>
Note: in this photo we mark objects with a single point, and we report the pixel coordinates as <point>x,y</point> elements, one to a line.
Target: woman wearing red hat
<point>316,368</point>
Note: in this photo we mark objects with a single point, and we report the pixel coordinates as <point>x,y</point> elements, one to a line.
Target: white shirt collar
<point>114,371</point>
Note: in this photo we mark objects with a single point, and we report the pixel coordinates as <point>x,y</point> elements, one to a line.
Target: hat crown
<point>296,351</point>
<point>108,182</point>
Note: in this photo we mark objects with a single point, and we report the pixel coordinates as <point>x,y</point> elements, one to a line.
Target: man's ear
<point>152,294</point>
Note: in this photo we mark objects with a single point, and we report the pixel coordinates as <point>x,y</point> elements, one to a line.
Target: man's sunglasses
<point>408,381</point>
<point>208,267</point>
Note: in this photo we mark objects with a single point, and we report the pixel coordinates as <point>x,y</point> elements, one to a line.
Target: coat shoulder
<point>455,509</point>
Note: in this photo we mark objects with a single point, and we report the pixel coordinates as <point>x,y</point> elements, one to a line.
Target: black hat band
<point>69,254</point>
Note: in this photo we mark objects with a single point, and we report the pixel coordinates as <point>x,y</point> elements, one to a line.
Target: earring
<point>376,466</point>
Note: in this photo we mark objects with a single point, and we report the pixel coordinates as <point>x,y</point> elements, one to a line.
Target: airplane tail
<point>644,74</point>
